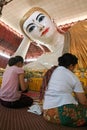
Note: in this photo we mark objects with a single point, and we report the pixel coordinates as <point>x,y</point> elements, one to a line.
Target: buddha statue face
<point>37,24</point>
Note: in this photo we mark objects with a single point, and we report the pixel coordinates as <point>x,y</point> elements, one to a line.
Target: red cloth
<point>46,79</point>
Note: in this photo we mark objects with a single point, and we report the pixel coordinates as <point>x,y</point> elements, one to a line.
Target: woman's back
<point>9,88</point>
<point>60,87</point>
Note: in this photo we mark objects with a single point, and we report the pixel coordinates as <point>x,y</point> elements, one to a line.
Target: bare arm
<point>23,84</point>
<point>81,98</point>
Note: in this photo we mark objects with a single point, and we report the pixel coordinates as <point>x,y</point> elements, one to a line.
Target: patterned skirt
<point>68,115</point>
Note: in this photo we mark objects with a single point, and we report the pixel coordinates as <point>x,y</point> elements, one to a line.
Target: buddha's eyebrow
<point>38,16</point>
<point>29,25</point>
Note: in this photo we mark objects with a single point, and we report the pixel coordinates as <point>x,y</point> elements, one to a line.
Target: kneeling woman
<point>13,77</point>
<point>59,105</point>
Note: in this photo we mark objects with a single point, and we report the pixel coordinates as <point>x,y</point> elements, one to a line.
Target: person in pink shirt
<point>10,94</point>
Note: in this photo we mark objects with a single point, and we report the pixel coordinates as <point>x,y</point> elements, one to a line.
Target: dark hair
<point>14,60</point>
<point>11,61</point>
<point>67,59</point>
<point>19,59</point>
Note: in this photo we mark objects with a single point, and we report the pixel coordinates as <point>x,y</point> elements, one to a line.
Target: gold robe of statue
<point>78,42</point>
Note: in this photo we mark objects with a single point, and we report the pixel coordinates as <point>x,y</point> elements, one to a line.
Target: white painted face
<point>39,26</point>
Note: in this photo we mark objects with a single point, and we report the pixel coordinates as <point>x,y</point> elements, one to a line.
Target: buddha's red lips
<point>45,31</point>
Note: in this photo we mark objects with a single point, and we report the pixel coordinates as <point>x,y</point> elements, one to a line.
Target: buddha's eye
<point>30,29</point>
<point>41,18</point>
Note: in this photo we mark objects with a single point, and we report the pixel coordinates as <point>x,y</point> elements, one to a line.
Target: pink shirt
<point>10,85</point>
